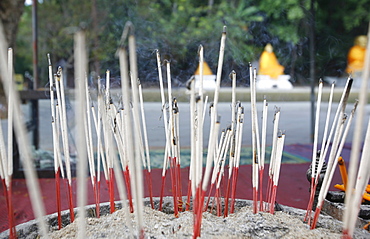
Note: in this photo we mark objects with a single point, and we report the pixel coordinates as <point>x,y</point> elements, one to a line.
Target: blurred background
<point>311,38</point>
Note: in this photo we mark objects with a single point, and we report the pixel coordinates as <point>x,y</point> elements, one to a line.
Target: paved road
<point>294,120</point>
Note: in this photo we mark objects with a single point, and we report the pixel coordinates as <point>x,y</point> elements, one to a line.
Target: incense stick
<point>9,164</point>
<point>10,117</point>
<point>255,138</point>
<point>361,182</point>
<point>164,113</point>
<point>314,150</point>
<point>232,143</point>
<point>331,166</point>
<point>355,152</point>
<point>273,154</point>
<point>263,149</point>
<point>24,146</point>
<point>63,120</point>
<point>81,69</point>
<point>107,139</point>
<point>138,182</point>
<point>55,144</point>
<point>276,174</point>
<point>191,186</point>
<point>89,146</point>
<point>147,152</point>
<point>238,141</point>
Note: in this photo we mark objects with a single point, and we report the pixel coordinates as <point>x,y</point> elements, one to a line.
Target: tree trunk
<point>10,14</point>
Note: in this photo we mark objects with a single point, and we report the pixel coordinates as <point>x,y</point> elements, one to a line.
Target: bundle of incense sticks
<point>121,131</point>
<point>6,162</point>
<point>337,129</point>
<point>24,146</point>
<point>353,197</point>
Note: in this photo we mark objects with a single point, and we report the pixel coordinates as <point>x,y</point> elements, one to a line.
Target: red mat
<point>292,191</point>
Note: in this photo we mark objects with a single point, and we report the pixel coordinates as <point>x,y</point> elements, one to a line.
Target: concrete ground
<point>295,118</point>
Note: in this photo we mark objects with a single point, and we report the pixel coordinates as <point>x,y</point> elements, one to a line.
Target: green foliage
<point>23,50</point>
<point>178,27</point>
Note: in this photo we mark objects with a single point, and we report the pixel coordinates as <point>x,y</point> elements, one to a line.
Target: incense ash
<point>285,223</point>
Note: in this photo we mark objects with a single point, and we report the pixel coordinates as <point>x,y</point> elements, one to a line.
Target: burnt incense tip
<point>320,81</point>
<point>224,30</point>
<point>232,74</point>
<point>200,47</point>
<point>218,119</point>
<point>355,106</point>
<point>48,56</point>
<point>167,61</point>
<point>197,99</point>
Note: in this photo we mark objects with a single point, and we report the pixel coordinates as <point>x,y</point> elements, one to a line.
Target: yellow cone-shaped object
<point>206,70</point>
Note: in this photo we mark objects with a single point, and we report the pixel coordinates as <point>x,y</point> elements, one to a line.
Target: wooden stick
<point>24,146</point>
